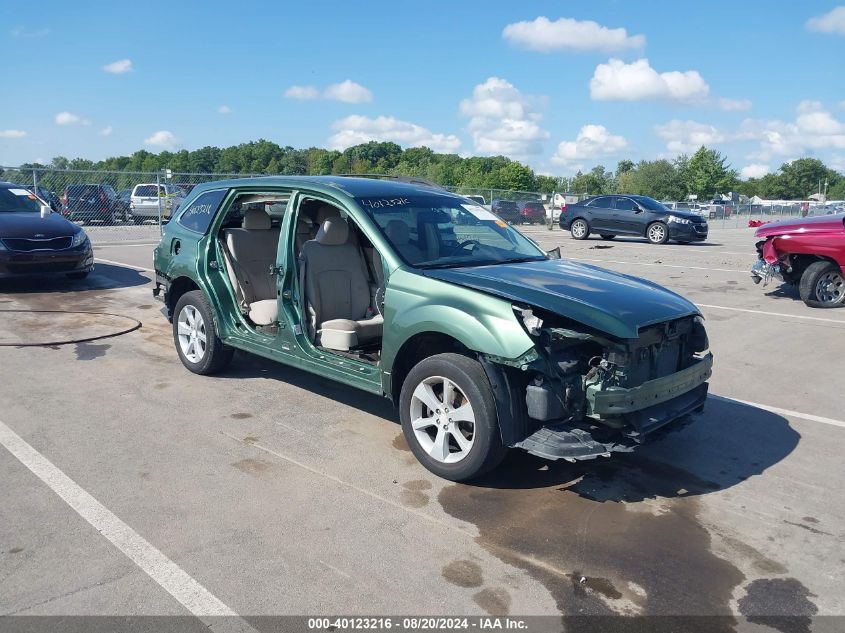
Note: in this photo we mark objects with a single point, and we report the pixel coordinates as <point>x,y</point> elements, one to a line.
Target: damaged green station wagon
<point>481,339</point>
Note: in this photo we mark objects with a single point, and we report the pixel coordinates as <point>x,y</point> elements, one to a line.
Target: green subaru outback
<point>481,339</point>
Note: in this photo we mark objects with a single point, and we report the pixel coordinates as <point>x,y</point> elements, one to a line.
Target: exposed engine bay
<point>588,394</point>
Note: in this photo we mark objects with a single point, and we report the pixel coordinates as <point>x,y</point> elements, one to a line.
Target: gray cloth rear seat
<point>251,254</point>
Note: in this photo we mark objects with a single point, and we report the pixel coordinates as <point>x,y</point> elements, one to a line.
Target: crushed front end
<point>588,394</point>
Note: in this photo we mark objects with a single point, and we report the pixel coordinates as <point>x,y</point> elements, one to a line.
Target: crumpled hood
<point>30,224</point>
<point>610,302</point>
<point>817,224</point>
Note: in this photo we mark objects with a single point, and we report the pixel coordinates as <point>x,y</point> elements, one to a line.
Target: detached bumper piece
<point>572,444</point>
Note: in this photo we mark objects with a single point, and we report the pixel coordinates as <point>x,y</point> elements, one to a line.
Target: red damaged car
<point>807,252</point>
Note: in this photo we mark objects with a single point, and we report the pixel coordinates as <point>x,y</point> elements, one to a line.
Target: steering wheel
<point>465,243</point>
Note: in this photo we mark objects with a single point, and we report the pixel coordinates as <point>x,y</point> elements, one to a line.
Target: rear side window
<point>625,204</point>
<point>146,191</point>
<point>198,215</point>
<point>602,203</point>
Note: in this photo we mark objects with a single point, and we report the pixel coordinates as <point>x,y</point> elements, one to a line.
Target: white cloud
<point>349,92</point>
<point>684,137</point>
<point>163,139</point>
<point>224,109</point>
<point>831,22</point>
<point>754,170</point>
<point>814,128</point>
<point>592,141</point>
<point>618,81</point>
<point>356,129</point>
<point>302,93</point>
<point>12,133</point>
<point>119,67</point>
<point>69,118</point>
<point>734,105</point>
<point>106,131</point>
<point>502,120</point>
<point>566,34</point>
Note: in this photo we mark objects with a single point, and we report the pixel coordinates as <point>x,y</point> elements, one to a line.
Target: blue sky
<point>559,85</point>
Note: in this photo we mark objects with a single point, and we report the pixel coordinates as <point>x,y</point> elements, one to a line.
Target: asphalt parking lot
<point>267,491</point>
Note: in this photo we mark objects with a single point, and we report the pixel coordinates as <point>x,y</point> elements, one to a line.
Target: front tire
<point>195,335</point>
<point>579,229</point>
<point>449,417</point>
<point>822,285</point>
<point>657,233</point>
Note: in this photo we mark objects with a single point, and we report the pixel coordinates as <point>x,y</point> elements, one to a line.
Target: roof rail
<point>412,180</point>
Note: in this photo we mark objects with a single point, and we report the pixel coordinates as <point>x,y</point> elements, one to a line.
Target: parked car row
<point>99,203</point>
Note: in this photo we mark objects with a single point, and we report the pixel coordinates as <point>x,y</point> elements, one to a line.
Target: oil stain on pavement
<point>603,537</point>
<point>780,603</point>
<point>90,351</point>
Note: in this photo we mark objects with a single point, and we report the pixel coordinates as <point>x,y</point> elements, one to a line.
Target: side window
<point>625,204</point>
<point>198,215</point>
<point>601,203</point>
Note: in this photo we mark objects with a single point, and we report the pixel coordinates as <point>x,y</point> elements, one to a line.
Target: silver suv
<point>144,203</point>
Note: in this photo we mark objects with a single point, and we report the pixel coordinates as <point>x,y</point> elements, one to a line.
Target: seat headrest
<point>333,232</point>
<point>326,211</point>
<point>256,220</point>
<point>398,232</point>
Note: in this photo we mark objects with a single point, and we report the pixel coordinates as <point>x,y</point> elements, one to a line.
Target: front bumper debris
<point>562,441</point>
<point>618,401</point>
<point>765,272</point>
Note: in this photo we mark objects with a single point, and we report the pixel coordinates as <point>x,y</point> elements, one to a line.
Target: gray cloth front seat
<point>251,253</point>
<point>337,290</point>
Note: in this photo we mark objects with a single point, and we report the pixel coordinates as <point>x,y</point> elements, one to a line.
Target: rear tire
<point>822,285</point>
<point>457,437</point>
<point>194,321</point>
<point>579,229</point>
<point>657,233</point>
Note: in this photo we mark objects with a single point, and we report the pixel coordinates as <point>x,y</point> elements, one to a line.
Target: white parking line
<point>172,578</point>
<point>786,412</point>
<point>615,261</point>
<point>109,261</point>
<point>775,314</point>
<point>128,244</point>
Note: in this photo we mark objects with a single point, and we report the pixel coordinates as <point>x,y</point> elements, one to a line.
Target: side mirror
<point>45,210</point>
<point>554,253</point>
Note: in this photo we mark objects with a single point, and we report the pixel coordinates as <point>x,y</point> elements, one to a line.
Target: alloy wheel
<point>830,288</point>
<point>442,419</point>
<point>579,228</point>
<point>656,233</point>
<point>190,328</point>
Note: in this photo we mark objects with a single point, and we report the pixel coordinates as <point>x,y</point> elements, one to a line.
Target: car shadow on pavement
<point>103,277</point>
<point>726,445</point>
<point>247,365</point>
<point>784,291</point>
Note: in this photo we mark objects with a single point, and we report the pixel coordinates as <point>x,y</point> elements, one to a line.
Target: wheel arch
<point>417,348</point>
<point>176,289</point>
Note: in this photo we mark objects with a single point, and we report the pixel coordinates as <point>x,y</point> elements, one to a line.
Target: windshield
<point>439,231</point>
<point>14,200</point>
<point>651,204</point>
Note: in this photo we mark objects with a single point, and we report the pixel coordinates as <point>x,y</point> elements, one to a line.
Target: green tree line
<point>705,173</point>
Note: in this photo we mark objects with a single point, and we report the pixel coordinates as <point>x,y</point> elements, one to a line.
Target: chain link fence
<point>104,203</point>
